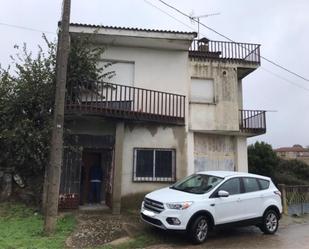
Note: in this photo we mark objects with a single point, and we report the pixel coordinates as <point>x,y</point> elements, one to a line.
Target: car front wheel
<point>199,230</point>
<point>270,222</point>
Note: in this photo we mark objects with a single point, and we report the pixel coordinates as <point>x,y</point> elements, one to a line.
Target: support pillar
<point>241,157</point>
<point>190,152</point>
<point>117,179</point>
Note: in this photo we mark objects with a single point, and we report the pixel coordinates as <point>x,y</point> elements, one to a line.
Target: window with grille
<point>154,165</point>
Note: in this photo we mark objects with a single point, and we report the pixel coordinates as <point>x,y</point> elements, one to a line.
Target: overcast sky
<point>280,26</point>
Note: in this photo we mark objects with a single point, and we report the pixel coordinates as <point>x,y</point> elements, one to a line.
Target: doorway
<point>94,175</point>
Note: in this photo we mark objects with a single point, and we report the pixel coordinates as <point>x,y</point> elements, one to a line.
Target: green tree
<point>262,159</point>
<point>26,102</point>
<point>27,91</point>
<point>292,172</point>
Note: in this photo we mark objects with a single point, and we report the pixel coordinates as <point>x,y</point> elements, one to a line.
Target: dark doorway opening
<point>94,175</point>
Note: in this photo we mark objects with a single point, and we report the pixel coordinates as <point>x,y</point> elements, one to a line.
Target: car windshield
<point>197,183</point>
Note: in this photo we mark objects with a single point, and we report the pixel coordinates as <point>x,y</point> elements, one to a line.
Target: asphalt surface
<point>287,237</point>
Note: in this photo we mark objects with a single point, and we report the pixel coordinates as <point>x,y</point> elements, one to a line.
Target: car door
<point>228,209</point>
<point>251,198</point>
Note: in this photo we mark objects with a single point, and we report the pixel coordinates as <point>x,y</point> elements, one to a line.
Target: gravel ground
<point>101,228</point>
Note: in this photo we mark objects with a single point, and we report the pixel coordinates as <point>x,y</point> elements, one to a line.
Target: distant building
<point>295,152</point>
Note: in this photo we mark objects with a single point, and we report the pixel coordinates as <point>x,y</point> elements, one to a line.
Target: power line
<point>282,78</point>
<point>188,26</point>
<point>26,28</point>
<point>266,70</point>
<point>229,39</point>
<point>276,64</point>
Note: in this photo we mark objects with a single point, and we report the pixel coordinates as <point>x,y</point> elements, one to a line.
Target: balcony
<point>230,51</point>
<point>252,122</point>
<point>125,102</point>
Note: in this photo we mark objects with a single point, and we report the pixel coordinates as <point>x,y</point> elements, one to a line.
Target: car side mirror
<point>223,193</point>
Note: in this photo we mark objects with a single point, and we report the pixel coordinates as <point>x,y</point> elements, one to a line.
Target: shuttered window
<point>154,165</point>
<point>202,91</point>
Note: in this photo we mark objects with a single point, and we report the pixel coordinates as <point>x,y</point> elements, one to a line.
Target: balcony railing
<point>125,102</point>
<point>252,121</point>
<point>221,50</point>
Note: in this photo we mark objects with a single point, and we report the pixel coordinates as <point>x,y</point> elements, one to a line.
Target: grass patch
<point>21,227</point>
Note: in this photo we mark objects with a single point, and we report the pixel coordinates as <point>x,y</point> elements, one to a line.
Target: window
<point>202,90</point>
<point>154,165</point>
<point>250,184</point>
<point>197,184</point>
<point>119,72</point>
<point>264,184</point>
<point>232,186</point>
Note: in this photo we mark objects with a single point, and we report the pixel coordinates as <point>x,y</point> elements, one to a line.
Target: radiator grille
<point>154,206</point>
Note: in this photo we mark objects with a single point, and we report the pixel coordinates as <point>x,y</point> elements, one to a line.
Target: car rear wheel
<point>199,230</point>
<point>270,222</point>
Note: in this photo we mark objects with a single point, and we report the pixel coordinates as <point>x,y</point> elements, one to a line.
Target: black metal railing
<point>245,52</point>
<point>122,101</point>
<point>252,121</point>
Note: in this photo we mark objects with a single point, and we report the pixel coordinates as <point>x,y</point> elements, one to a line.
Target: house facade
<point>295,152</point>
<point>174,107</point>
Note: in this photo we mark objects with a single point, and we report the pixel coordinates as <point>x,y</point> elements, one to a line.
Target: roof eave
<point>134,32</point>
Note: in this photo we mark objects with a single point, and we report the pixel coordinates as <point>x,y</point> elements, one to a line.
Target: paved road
<point>289,237</point>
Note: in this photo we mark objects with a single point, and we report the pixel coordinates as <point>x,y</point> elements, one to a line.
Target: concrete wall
<point>241,154</point>
<point>210,123</point>
<point>214,152</point>
<point>151,136</point>
<point>157,69</point>
<point>222,115</point>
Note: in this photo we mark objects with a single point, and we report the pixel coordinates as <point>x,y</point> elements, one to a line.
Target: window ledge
<point>168,180</point>
<point>202,102</point>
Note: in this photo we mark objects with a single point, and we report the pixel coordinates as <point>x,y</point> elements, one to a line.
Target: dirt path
<point>95,229</point>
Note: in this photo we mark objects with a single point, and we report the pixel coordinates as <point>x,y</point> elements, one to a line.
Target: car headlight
<point>179,205</point>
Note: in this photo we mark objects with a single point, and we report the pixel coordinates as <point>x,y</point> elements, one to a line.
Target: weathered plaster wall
<point>151,136</point>
<point>214,152</point>
<point>222,115</point>
<point>241,154</point>
<point>157,69</point>
<point>240,97</point>
<point>190,152</point>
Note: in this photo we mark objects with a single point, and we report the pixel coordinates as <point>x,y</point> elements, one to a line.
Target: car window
<point>264,184</point>
<point>197,183</point>
<point>232,186</point>
<point>250,184</point>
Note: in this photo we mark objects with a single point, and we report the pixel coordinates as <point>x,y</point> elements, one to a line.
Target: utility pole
<point>56,150</point>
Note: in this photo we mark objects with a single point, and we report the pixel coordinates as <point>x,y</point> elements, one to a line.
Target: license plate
<point>148,213</point>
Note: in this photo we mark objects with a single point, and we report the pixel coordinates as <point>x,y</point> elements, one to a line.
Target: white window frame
<point>153,178</point>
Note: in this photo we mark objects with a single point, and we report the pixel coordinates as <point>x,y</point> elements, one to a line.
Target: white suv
<point>211,199</point>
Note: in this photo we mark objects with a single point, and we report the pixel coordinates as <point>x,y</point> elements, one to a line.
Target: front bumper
<point>159,219</point>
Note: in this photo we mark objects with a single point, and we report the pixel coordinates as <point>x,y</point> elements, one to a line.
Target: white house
<point>173,108</point>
